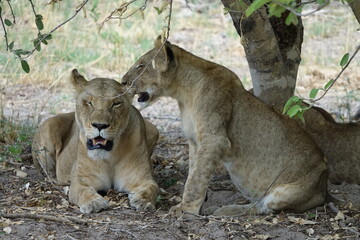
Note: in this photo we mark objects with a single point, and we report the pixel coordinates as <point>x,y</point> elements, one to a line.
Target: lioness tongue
<point>99,140</point>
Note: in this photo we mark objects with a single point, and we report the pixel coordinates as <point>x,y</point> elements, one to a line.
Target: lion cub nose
<point>100,126</point>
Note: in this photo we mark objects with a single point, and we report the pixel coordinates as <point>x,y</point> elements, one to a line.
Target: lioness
<point>104,144</point>
<point>264,152</point>
<point>340,143</point>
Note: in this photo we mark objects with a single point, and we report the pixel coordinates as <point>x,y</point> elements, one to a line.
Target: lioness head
<point>151,73</point>
<point>102,113</point>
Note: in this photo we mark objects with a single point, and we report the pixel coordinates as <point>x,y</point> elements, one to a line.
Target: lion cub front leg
<point>210,151</point>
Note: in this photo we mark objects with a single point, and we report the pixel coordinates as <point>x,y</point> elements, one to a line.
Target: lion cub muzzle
<point>99,142</point>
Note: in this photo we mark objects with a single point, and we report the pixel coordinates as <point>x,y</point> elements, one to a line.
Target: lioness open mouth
<point>99,143</point>
<point>143,96</point>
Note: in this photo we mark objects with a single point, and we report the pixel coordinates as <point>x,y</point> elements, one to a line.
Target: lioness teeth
<point>99,140</point>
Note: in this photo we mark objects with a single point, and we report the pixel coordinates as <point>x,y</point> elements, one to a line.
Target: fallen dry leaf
<point>262,236</point>
<point>340,216</point>
<point>20,173</point>
<point>301,221</point>
<point>7,230</point>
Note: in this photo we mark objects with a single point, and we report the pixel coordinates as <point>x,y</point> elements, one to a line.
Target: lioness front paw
<point>141,204</point>
<point>95,205</point>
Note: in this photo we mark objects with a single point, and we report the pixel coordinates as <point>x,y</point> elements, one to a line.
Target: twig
<point>35,14</point>
<point>294,11</point>
<point>122,9</point>
<point>338,76</point>
<point>169,21</point>
<point>5,33</point>
<point>333,208</point>
<point>65,219</point>
<point>262,197</point>
<point>81,6</point>
<point>12,12</point>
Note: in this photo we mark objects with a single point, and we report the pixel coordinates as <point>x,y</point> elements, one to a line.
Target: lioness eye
<point>89,103</point>
<point>116,104</point>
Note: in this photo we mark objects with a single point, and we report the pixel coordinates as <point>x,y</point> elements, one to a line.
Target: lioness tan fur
<point>264,152</point>
<point>104,144</point>
<point>340,143</point>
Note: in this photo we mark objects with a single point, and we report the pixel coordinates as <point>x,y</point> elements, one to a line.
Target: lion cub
<point>104,144</point>
<point>340,143</point>
<point>264,152</point>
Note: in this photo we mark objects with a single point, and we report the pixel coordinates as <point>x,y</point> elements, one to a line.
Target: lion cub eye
<point>139,66</point>
<point>116,104</point>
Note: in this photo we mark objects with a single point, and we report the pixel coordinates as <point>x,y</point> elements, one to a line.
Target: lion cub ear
<point>164,57</point>
<point>78,81</point>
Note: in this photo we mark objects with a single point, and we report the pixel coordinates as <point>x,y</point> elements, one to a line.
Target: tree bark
<point>355,7</point>
<point>272,50</point>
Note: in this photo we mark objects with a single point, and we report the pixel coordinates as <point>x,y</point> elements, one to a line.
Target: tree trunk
<point>355,7</point>
<point>272,50</point>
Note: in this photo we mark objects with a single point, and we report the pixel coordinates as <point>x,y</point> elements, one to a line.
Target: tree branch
<point>355,7</point>
<point>338,76</point>
<point>295,11</point>
<point>81,6</point>
<point>5,33</point>
<point>12,12</point>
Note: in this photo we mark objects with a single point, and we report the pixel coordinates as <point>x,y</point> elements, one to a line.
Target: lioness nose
<point>100,126</point>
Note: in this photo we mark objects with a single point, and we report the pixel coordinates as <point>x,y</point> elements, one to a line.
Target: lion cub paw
<point>179,211</point>
<point>94,206</point>
<point>141,204</point>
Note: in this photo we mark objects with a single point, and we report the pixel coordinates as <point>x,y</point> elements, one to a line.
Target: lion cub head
<point>152,73</point>
<point>102,113</point>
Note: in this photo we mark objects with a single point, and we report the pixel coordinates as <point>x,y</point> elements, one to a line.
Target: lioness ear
<point>164,57</point>
<point>78,80</point>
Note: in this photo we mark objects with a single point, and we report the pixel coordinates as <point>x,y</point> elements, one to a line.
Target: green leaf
<point>291,19</point>
<point>293,99</point>
<point>314,92</point>
<point>11,45</point>
<point>20,52</point>
<point>158,10</point>
<point>255,6</point>
<point>300,115</point>
<point>48,37</point>
<point>275,10</point>
<point>226,10</point>
<point>37,45</point>
<point>0,9</point>
<point>44,42</point>
<point>8,22</point>
<point>15,150</point>
<point>293,110</point>
<point>329,83</point>
<point>344,60</point>
<point>39,22</point>
<point>25,66</point>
